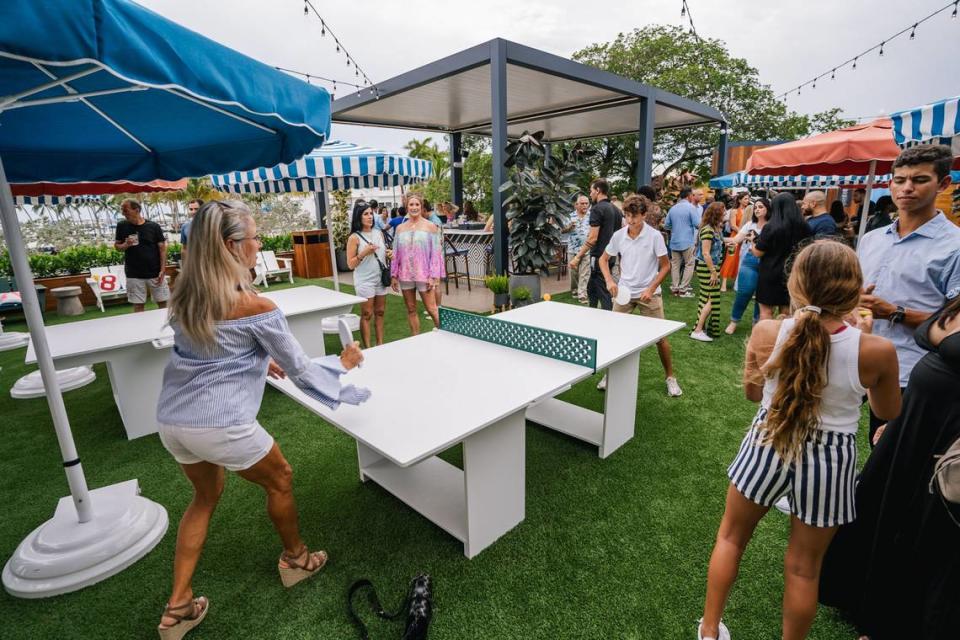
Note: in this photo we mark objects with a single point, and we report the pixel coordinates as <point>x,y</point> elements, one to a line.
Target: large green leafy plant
<point>539,199</point>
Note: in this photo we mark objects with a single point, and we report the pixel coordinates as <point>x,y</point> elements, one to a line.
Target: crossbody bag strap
<point>359,235</point>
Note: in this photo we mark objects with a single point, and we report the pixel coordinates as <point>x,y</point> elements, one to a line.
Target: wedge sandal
<point>184,622</point>
<point>297,572</point>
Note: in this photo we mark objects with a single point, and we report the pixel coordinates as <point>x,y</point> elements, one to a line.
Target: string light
<point>881,47</point>
<point>686,13</point>
<point>324,28</point>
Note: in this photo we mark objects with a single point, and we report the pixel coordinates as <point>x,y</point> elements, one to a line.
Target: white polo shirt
<point>639,257</point>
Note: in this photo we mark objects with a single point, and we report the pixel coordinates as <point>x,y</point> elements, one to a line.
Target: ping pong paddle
<point>346,335</point>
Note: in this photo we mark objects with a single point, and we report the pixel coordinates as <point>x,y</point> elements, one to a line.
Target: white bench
<point>107,283</point>
<point>268,266</point>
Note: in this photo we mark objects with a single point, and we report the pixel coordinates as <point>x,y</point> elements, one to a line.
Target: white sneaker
<point>783,505</point>
<point>724,633</point>
<point>686,293</point>
<point>602,385</point>
<point>673,388</point>
<point>701,336</point>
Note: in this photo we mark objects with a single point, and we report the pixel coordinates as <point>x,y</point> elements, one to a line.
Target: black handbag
<point>385,277</point>
<point>418,605</point>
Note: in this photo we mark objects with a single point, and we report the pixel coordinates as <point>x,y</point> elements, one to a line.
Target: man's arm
<point>883,309</point>
<point>592,238</point>
<point>118,243</point>
<point>162,248</point>
<point>604,262</point>
<point>663,262</point>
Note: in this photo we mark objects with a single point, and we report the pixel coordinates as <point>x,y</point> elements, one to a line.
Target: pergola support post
<point>498,97</point>
<point>456,169</point>
<point>645,141</point>
<point>722,152</point>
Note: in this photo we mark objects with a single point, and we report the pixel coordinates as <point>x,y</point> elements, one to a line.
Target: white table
<point>398,433</point>
<point>136,347</point>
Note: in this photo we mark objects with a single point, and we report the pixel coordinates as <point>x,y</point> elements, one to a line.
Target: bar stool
<point>453,254</point>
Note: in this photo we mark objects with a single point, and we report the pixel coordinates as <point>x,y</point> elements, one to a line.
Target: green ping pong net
<point>544,342</point>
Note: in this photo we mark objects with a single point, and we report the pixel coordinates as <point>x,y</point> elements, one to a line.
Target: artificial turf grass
<point>613,548</point>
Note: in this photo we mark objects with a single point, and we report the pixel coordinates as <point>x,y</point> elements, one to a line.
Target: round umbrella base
<point>13,340</point>
<point>31,385</point>
<point>63,555</point>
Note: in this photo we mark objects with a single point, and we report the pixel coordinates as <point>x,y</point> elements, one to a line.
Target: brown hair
<point>636,204</point>
<point>713,216</point>
<point>938,155</point>
<point>601,185</point>
<point>949,312</point>
<point>827,275</point>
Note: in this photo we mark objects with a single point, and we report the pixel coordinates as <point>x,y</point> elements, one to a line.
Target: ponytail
<point>825,280</point>
<point>802,367</point>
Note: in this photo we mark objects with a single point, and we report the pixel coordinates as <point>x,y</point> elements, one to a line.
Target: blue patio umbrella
<point>105,90</point>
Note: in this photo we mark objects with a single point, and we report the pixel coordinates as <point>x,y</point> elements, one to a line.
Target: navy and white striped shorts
<point>820,482</point>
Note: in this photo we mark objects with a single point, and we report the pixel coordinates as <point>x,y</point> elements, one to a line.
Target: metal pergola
<point>501,89</point>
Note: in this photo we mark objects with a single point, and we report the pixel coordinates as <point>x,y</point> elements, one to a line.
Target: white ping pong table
<point>414,414</point>
<point>136,347</point>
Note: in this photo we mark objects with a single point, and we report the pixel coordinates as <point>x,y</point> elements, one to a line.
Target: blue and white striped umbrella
<point>336,165</point>
<point>937,123</point>
<point>744,179</point>
<point>28,201</point>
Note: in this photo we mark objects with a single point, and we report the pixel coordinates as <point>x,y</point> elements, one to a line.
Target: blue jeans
<point>746,286</point>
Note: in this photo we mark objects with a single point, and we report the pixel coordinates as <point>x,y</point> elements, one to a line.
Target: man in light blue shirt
<point>911,267</point>
<point>682,220</point>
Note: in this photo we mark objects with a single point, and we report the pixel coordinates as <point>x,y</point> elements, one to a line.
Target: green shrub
<point>520,294</point>
<point>497,284</point>
<point>282,242</point>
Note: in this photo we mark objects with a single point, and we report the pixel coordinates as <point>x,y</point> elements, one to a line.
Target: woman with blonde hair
<point>227,339</point>
<point>417,262</point>
<point>809,373</point>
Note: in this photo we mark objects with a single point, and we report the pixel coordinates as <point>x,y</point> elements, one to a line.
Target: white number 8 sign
<point>108,282</point>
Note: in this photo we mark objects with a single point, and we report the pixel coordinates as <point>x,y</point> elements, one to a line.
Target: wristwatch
<point>897,316</point>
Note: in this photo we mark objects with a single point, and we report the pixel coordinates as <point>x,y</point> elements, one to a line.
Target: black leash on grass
<point>418,605</point>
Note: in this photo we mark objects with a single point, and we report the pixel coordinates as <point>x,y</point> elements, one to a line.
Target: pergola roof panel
<point>567,100</point>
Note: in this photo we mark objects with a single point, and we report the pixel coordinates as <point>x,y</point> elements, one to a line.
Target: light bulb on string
<point>881,48</point>
<point>913,32</point>
<point>306,10</point>
<point>855,64</point>
<point>683,10</point>
<point>338,47</point>
<point>308,79</point>
<point>833,75</point>
<point>954,14</point>
<point>323,29</point>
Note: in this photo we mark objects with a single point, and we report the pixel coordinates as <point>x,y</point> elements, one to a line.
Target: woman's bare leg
<point>801,576</point>
<point>410,300</point>
<point>379,308</point>
<point>366,314</point>
<point>430,302</point>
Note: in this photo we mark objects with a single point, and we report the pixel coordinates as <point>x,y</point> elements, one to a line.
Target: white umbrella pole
<point>333,253</point>
<point>31,309</point>
<point>865,212</point>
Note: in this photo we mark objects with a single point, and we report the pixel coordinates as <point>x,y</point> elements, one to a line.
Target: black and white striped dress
<point>821,481</point>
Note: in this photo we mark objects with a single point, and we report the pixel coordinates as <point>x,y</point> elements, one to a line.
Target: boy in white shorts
<point>643,266</point>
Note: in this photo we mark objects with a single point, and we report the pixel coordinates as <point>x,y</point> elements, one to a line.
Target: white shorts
<point>235,448</point>
<point>370,289</point>
<point>137,290</point>
<point>406,285</point>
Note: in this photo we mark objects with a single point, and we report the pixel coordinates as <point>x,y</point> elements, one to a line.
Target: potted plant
<point>539,201</point>
<point>521,296</point>
<point>500,287</point>
<point>340,227</point>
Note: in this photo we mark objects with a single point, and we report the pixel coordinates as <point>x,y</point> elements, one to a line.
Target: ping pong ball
<point>546,297</point>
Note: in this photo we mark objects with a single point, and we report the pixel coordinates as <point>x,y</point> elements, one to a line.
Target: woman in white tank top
<point>809,373</point>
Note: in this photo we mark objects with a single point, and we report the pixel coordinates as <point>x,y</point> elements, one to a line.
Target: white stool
<point>330,323</point>
<point>12,339</point>
<point>31,385</point>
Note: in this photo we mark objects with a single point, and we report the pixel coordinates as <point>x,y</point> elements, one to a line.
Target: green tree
<point>437,188</point>
<point>673,59</point>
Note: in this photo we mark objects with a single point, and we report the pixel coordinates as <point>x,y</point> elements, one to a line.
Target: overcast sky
<point>788,42</point>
